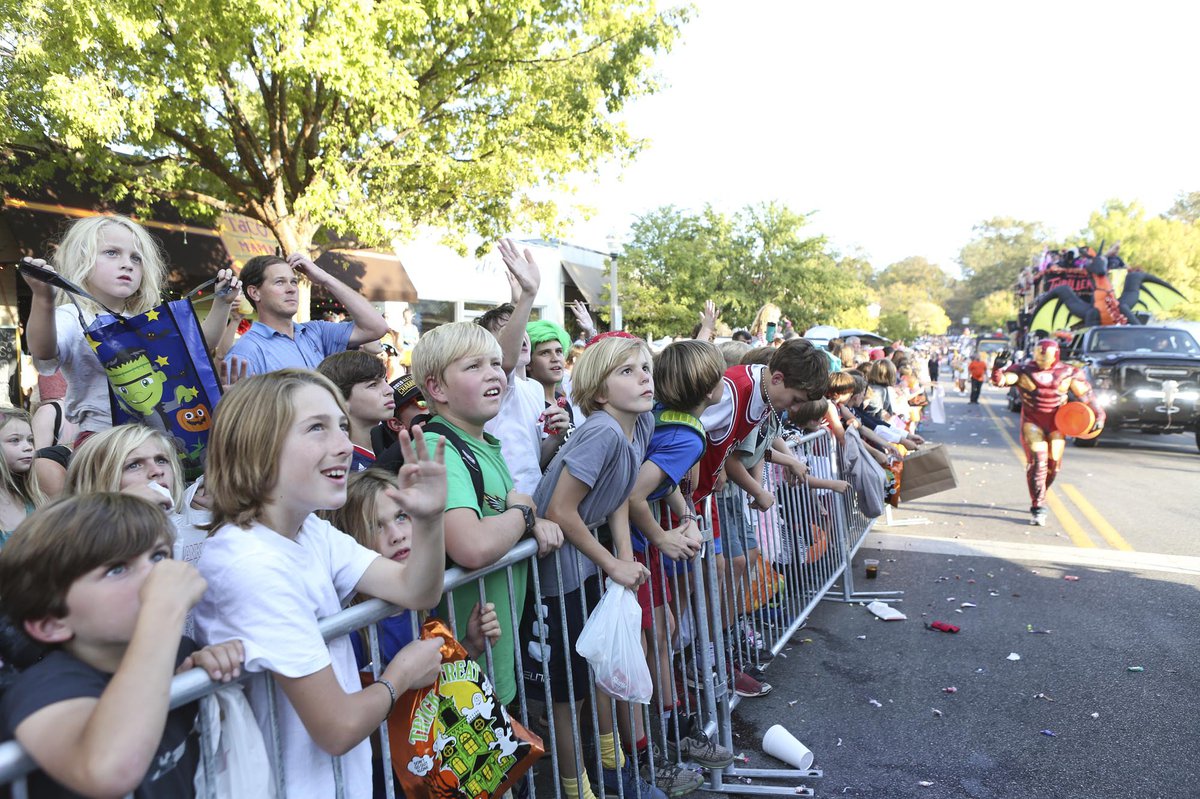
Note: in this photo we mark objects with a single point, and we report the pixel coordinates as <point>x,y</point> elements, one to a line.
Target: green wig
<point>542,330</point>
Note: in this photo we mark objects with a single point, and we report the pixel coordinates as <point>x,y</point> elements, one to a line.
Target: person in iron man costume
<point>1043,382</point>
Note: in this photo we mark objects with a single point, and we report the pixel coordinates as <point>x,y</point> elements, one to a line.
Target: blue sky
<point>901,124</point>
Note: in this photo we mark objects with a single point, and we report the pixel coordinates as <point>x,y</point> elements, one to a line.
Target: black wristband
<point>529,515</point>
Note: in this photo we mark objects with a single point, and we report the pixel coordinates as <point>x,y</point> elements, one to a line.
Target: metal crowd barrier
<point>722,621</point>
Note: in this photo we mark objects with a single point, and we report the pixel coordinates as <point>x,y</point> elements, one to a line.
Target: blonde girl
<point>279,451</point>
<point>373,518</point>
<point>19,492</point>
<point>114,259</point>
<point>139,460</point>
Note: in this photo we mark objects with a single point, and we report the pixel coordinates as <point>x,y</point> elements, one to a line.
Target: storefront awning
<point>591,282</point>
<point>378,276</point>
<point>193,253</point>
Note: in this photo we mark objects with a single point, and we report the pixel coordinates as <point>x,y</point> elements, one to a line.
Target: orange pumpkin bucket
<point>1075,419</point>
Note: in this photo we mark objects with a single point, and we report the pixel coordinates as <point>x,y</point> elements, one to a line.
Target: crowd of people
<point>325,483</point>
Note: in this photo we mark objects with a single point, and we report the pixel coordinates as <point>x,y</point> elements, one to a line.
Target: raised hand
<point>304,265</point>
<point>228,288</point>
<point>421,482</point>
<point>708,321</point>
<point>232,369</point>
<point>583,317</point>
<point>39,288</point>
<point>521,266</point>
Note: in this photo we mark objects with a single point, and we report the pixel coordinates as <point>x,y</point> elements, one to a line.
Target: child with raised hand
<point>375,518</point>
<point>19,492</point>
<point>92,578</point>
<point>279,451</point>
<point>587,484</point>
<point>114,259</point>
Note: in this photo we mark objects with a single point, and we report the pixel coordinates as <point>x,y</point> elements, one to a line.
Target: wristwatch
<point>527,512</point>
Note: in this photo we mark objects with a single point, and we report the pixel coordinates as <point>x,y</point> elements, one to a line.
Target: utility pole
<point>614,305</point>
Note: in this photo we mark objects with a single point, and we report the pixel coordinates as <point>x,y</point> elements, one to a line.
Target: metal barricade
<point>706,625</point>
<point>15,764</point>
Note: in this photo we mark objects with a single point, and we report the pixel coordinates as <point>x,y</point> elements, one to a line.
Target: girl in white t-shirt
<point>278,452</point>
<point>114,259</point>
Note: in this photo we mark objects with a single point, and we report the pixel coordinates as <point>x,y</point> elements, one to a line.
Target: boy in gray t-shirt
<point>587,484</point>
<point>601,456</point>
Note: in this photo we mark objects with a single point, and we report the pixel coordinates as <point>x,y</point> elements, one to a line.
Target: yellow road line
<point>1076,533</point>
<point>1106,530</point>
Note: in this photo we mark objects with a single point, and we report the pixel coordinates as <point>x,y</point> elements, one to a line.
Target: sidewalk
<point>988,741</point>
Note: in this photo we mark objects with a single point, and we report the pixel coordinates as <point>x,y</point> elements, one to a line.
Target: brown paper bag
<point>927,471</point>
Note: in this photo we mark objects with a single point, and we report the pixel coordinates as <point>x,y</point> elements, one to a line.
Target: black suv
<point>1146,377</point>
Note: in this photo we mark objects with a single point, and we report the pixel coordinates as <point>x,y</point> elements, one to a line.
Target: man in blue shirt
<point>275,341</point>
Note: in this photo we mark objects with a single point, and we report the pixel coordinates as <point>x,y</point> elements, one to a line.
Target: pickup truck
<point>1146,377</point>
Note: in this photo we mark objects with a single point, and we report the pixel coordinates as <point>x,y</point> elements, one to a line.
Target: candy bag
<point>455,738</point>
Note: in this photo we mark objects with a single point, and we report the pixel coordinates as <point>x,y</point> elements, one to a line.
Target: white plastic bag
<point>243,768</point>
<point>937,406</point>
<point>611,642</point>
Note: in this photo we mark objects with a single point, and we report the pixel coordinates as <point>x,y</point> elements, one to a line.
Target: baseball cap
<point>406,391</point>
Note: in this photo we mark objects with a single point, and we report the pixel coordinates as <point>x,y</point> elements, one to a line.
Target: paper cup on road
<point>780,743</point>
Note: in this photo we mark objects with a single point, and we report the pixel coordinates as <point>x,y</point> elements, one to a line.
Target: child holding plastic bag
<point>114,259</point>
<point>587,484</point>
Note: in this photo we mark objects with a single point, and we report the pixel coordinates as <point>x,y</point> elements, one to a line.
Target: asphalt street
<point>1103,699</point>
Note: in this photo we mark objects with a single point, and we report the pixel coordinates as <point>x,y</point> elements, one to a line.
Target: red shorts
<point>654,591</point>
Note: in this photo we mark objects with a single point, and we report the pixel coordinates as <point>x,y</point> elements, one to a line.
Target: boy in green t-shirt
<point>459,370</point>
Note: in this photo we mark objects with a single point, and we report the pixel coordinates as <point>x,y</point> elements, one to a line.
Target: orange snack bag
<point>454,738</point>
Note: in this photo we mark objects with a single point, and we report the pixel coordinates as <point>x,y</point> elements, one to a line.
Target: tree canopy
<point>677,259</point>
<point>1000,248</point>
<point>1166,247</point>
<point>368,118</point>
<point>911,294</point>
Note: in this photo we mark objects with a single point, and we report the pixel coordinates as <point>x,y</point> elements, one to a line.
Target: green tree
<point>912,280</point>
<point>676,259</point>
<point>993,259</point>
<point>928,318</point>
<point>1168,248</point>
<point>994,310</point>
<point>369,118</point>
<point>1186,208</point>
<point>896,326</point>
